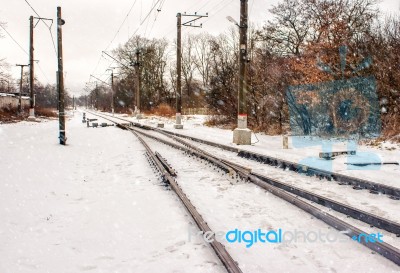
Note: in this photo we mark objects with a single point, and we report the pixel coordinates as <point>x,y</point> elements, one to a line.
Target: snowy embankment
<point>303,151</point>
<point>228,205</point>
<point>94,204</point>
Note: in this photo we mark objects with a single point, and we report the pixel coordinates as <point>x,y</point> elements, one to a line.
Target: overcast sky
<point>92,24</point>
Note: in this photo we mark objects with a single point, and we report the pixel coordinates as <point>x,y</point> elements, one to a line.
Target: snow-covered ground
<point>227,204</point>
<point>96,205</point>
<point>374,204</point>
<point>305,151</point>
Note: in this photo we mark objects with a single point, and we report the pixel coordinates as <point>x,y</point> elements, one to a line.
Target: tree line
<point>290,49</point>
<point>299,45</point>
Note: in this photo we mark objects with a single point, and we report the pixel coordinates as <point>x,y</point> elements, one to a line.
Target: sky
<point>92,27</point>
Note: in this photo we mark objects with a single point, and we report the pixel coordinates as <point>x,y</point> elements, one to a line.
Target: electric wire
<point>19,45</point>
<point>123,22</point>
<point>15,41</point>
<point>141,23</point>
<point>49,27</point>
<point>219,6</point>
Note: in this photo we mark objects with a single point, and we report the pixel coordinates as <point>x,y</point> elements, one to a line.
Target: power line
<point>49,27</point>
<point>156,17</point>
<point>147,25</point>
<point>171,29</point>
<point>32,8</point>
<point>123,22</point>
<point>216,12</point>
<point>148,14</point>
<point>141,23</point>
<point>44,74</point>
<point>14,40</point>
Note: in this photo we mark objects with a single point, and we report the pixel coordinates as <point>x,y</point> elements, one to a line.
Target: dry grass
<point>163,110</point>
<point>10,115</point>
<point>46,112</point>
<point>219,121</point>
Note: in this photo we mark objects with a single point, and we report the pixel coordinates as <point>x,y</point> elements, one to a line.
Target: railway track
<point>349,211</point>
<point>356,183</point>
<point>168,175</point>
<point>287,192</point>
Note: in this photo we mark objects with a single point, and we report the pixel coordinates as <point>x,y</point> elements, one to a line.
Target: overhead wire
<point>115,36</point>
<point>141,23</point>
<point>123,22</point>
<point>156,16</point>
<point>15,41</point>
<point>147,25</point>
<point>171,29</point>
<point>219,6</point>
<point>19,45</point>
<point>49,27</point>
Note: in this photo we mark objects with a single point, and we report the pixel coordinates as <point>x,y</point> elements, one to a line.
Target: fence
<point>11,101</point>
<point>195,111</point>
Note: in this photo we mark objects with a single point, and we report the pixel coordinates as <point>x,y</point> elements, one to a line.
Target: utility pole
<point>31,70</point>
<point>112,89</point>
<point>31,66</point>
<point>20,87</point>
<point>242,135</point>
<point>60,80</point>
<point>137,65</point>
<point>96,97</point>
<point>178,124</point>
<point>96,90</point>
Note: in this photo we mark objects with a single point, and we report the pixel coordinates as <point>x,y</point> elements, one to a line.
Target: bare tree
<point>153,63</point>
<point>202,59</point>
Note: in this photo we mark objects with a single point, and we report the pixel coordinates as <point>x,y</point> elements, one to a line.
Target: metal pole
<point>60,80</point>
<point>32,71</point>
<point>178,124</point>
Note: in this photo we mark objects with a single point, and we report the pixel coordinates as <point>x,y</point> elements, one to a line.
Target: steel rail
<point>229,263</point>
<point>357,183</point>
<point>355,213</point>
<point>384,249</point>
<point>358,214</point>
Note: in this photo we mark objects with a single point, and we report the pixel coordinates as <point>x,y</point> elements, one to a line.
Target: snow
<point>305,151</point>
<point>227,204</point>
<point>371,203</point>
<point>96,205</point>
<point>93,205</point>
